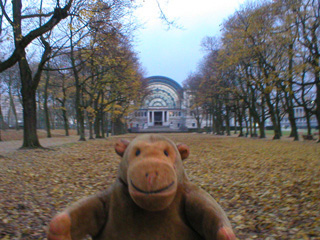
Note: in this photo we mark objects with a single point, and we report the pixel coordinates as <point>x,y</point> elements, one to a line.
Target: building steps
<point>156,129</point>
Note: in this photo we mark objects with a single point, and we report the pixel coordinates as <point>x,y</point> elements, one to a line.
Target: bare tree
<point>30,81</point>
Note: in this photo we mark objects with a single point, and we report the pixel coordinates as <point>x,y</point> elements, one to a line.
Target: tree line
<point>263,66</point>
<point>70,60</point>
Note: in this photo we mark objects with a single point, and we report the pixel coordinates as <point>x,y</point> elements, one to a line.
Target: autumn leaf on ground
<point>269,189</point>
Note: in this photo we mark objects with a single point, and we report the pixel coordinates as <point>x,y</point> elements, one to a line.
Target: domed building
<point>165,108</point>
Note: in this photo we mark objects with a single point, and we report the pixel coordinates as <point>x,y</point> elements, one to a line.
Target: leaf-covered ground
<point>269,189</point>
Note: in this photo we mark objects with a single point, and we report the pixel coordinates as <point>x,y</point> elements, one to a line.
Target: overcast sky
<point>176,52</point>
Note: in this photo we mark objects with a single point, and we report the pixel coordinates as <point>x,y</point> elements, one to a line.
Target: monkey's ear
<point>121,146</point>
<point>183,150</point>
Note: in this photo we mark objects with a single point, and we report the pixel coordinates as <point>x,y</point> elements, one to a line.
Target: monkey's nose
<point>151,178</point>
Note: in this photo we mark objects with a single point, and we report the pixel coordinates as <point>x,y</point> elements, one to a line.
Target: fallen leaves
<point>269,189</point>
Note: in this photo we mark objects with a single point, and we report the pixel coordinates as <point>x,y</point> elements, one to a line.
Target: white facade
<point>301,120</point>
<point>164,107</point>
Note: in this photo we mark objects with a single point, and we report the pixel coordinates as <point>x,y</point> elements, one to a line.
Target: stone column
<point>163,121</point>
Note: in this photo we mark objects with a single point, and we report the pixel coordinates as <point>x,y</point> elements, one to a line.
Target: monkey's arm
<point>206,216</point>
<point>83,218</point>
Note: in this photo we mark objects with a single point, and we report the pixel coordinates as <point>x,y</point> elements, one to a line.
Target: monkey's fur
<point>151,199</point>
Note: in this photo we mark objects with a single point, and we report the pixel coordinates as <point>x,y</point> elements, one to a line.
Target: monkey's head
<point>152,168</point>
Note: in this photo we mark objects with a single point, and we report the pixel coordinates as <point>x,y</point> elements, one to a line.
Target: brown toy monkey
<point>151,199</point>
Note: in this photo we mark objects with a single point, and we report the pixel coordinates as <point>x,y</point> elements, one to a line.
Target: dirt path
<point>11,146</point>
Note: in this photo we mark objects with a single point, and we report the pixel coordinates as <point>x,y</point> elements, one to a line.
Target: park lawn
<point>286,133</point>
<point>269,189</point>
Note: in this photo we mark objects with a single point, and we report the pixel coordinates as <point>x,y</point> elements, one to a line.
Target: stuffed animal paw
<point>60,227</point>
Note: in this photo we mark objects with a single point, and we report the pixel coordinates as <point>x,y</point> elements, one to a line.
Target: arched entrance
<point>161,109</point>
<point>164,97</point>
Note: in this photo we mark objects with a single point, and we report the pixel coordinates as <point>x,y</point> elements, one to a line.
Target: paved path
<point>11,146</point>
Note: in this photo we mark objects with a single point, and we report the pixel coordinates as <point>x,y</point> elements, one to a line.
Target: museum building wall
<point>165,107</point>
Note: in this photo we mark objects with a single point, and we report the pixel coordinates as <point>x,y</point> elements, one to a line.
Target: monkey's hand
<point>60,227</point>
<point>226,233</point>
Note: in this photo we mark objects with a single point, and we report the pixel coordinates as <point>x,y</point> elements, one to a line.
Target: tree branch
<point>44,59</point>
<point>58,15</point>
<point>5,13</point>
<point>37,15</point>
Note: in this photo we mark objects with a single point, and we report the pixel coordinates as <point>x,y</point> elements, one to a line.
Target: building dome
<point>163,93</point>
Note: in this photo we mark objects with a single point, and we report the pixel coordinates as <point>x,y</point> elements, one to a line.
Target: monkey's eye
<point>166,153</point>
<point>138,152</point>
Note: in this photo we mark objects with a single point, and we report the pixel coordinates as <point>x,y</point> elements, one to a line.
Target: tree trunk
<point>198,123</point>
<point>214,122</point>
<point>119,127</point>
<point>65,121</point>
<point>13,108</point>
<point>64,112</point>
<point>1,121</point>
<point>277,113</point>
<point>318,104</point>
<point>29,84</point>
<point>30,137</point>
<point>228,121</point>
<point>52,117</point>
<point>235,122</point>
<point>40,112</point>
<point>102,124</point>
<point>294,129</point>
<point>289,97</point>
<point>207,121</point>
<point>263,119</point>
<point>90,128</point>
<point>250,125</point>
<point>102,114</point>
<point>307,116</point>
<point>77,126</point>
<point>247,125</point>
<point>255,128</point>
<point>240,127</point>
<point>240,121</point>
<point>45,105</point>
<point>220,118</point>
<point>273,117</point>
<point>107,124</point>
<point>80,115</point>
<point>79,111</point>
<point>211,120</point>
<point>262,130</point>
<point>97,123</point>
<point>9,117</point>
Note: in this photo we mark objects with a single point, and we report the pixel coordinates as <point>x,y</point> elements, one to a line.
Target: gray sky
<point>175,53</point>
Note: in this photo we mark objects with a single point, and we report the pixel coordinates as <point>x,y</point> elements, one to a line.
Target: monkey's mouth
<point>152,192</point>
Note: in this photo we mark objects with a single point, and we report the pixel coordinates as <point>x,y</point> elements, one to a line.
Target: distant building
<point>301,121</point>
<point>167,108</point>
<point>164,108</point>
